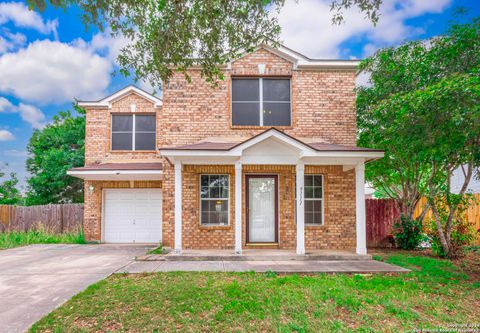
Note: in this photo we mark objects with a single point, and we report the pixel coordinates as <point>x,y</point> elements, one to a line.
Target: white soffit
<point>117,174</point>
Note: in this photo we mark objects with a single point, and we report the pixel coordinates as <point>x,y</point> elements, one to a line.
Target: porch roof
<point>269,147</point>
<point>119,171</point>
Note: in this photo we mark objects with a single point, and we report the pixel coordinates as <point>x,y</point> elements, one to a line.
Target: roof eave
<point>107,101</point>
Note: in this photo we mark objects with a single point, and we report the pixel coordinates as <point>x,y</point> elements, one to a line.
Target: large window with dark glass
<point>133,132</point>
<point>214,199</point>
<point>261,102</point>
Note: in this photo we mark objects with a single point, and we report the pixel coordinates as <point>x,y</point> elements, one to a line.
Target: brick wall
<point>98,125</point>
<point>322,106</point>
<point>323,103</point>
<point>338,231</point>
<point>93,203</point>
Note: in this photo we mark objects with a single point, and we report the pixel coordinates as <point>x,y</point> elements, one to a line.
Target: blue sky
<point>48,60</point>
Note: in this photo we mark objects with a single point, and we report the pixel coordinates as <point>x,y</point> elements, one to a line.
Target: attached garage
<point>132,215</point>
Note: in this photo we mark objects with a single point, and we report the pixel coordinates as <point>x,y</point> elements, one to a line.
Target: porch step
<point>255,257</point>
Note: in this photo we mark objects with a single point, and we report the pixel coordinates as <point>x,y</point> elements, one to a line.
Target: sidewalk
<point>290,266</point>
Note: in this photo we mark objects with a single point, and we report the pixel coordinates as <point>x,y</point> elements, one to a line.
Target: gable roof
<point>269,133</point>
<point>301,61</point>
<point>107,101</point>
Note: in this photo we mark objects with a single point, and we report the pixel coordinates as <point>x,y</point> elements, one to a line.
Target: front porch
<point>268,201</point>
<point>278,261</point>
<point>256,255</point>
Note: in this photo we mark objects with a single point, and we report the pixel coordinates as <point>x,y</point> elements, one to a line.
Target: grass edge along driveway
<point>436,294</point>
<point>9,240</point>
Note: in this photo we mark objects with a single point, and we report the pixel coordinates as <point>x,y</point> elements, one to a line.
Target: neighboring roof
<point>107,101</point>
<point>300,61</point>
<point>120,167</point>
<point>226,146</point>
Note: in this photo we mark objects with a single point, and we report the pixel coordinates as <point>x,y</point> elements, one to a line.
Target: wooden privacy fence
<point>63,218</point>
<point>382,213</point>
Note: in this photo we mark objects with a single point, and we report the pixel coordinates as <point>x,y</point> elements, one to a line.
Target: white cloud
<point>22,17</point>
<point>15,153</point>
<point>6,135</point>
<point>32,115</point>
<point>6,105</point>
<point>29,113</point>
<point>10,41</point>
<point>53,72</point>
<point>307,25</point>
<point>104,44</point>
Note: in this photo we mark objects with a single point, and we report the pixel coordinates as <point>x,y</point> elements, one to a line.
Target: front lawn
<point>13,239</point>
<point>437,293</point>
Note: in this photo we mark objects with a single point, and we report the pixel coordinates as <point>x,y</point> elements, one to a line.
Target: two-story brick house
<point>267,158</point>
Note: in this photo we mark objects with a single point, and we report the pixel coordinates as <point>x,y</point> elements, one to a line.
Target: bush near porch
<point>437,293</point>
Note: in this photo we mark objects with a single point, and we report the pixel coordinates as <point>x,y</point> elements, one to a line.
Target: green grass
<point>157,250</point>
<point>436,293</point>
<point>14,239</point>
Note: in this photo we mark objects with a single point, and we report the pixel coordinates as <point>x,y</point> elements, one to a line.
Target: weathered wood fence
<point>382,213</point>
<point>61,218</point>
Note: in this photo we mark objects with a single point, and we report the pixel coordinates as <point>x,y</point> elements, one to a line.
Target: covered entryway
<point>262,208</point>
<point>267,152</point>
<point>132,215</point>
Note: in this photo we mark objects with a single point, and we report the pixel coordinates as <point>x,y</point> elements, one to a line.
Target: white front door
<point>262,209</point>
<point>133,216</point>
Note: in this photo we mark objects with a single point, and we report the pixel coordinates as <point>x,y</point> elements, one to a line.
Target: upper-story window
<point>133,132</point>
<point>261,102</point>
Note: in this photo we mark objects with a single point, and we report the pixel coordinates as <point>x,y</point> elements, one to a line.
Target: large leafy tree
<point>170,35</point>
<point>53,150</point>
<point>9,194</point>
<point>423,108</point>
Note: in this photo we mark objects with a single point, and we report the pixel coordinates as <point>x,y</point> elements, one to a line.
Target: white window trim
<point>133,132</point>
<point>260,101</point>
<point>312,199</point>
<point>212,199</point>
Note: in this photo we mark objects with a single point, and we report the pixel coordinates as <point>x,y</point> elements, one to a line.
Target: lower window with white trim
<point>313,199</point>
<point>214,200</point>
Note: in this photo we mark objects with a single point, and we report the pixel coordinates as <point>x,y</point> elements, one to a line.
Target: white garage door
<point>133,215</point>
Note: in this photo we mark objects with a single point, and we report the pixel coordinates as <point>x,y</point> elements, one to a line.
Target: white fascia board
<point>107,101</point>
<point>362,154</point>
<point>232,153</point>
<point>114,172</point>
<point>284,53</point>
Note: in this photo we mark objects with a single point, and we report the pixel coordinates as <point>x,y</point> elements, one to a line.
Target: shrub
<point>408,233</point>
<point>463,233</point>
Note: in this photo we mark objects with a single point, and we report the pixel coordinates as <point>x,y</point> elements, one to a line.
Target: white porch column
<point>300,209</point>
<point>178,207</point>
<point>238,208</point>
<point>360,208</point>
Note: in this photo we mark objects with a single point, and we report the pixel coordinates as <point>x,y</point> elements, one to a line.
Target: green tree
<point>9,194</point>
<point>53,150</point>
<point>423,108</point>
<point>167,35</point>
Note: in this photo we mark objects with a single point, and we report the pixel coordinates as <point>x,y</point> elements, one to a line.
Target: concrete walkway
<point>255,255</point>
<point>36,279</point>
<point>290,266</point>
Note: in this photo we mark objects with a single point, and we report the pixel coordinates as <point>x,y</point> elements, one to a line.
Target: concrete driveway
<point>36,279</point>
